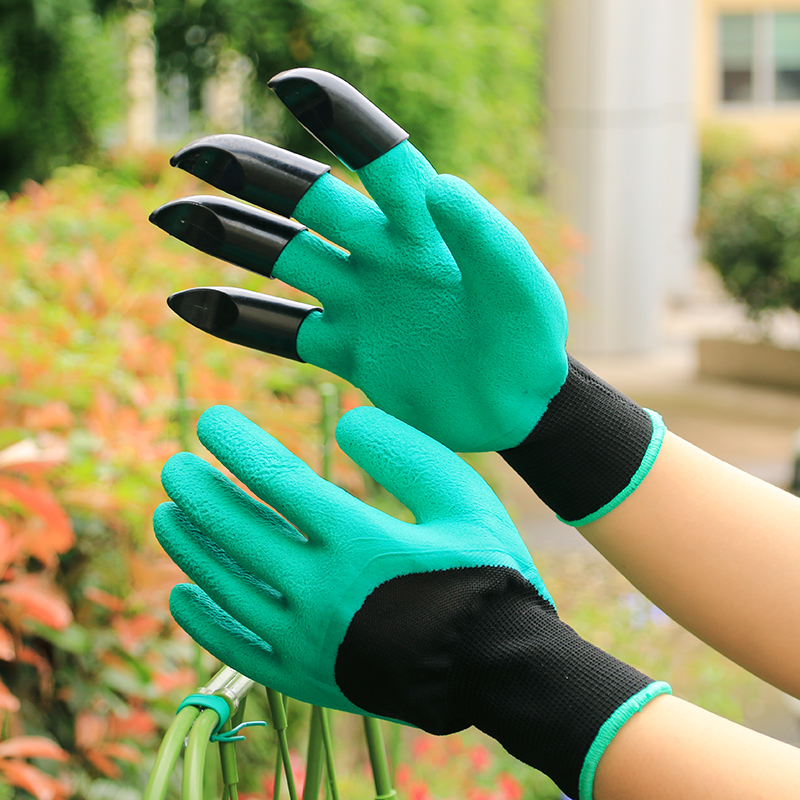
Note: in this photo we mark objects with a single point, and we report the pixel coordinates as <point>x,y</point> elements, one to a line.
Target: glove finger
<point>337,115</point>
<point>253,535</point>
<point>316,267</point>
<point>259,606</point>
<point>363,138</point>
<point>491,253</point>
<point>250,319</point>
<point>257,241</point>
<point>280,181</point>
<point>226,638</point>
<point>317,508</point>
<point>226,229</point>
<point>326,340</point>
<point>428,478</point>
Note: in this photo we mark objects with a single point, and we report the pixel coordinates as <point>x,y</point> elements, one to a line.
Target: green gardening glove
<point>440,624</point>
<point>433,303</point>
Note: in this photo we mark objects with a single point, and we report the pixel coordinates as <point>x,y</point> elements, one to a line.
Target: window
<point>760,58</point>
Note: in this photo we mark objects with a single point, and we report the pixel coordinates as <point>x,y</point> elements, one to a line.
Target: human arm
<point>718,550</point>
<point>675,749</point>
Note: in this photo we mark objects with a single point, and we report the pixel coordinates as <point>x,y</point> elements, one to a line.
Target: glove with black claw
<point>432,302</point>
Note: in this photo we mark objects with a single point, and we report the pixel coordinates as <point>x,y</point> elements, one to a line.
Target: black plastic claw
<point>232,231</point>
<point>355,130</point>
<point>253,320</point>
<point>255,171</point>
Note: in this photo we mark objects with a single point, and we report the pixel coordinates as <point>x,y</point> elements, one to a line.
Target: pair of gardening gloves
<point>436,307</point>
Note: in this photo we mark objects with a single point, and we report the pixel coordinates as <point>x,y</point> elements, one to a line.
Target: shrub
<point>750,225</point>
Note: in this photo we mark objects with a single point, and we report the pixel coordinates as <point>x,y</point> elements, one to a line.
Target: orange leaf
<point>102,598</point>
<point>138,724</point>
<point>41,785</point>
<point>90,730</point>
<point>32,747</point>
<point>9,547</point>
<point>8,701</point>
<point>103,764</point>
<point>38,600</point>
<point>58,537</point>
<point>136,632</point>
<point>7,650</point>
<point>56,414</point>
<point>124,752</point>
<point>27,655</point>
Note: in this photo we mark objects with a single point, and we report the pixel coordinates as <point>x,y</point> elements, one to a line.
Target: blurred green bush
<point>61,83</point>
<point>464,78</point>
<point>750,224</point>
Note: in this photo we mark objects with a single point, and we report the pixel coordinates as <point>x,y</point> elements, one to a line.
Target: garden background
<point>100,383</point>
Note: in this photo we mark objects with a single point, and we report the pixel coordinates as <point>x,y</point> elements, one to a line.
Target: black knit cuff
<point>590,449</point>
<point>484,649</point>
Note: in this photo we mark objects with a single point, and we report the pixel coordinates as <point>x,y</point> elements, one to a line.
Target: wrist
<point>486,649</point>
<point>590,450</point>
<point>552,699</point>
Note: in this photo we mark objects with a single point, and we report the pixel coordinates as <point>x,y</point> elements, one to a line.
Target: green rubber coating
<point>440,311</point>
<point>276,605</point>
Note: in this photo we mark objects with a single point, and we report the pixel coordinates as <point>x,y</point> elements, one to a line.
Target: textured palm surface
<point>438,310</point>
<point>279,584</point>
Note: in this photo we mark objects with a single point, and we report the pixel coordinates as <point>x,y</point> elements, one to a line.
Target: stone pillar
<point>623,160</point>
<point>140,123</point>
<point>224,94</point>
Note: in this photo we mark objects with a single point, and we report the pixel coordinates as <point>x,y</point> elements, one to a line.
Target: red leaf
<point>58,536</point>
<point>138,724</point>
<point>8,701</point>
<point>32,747</point>
<point>37,599</point>
<point>7,650</point>
<point>109,601</point>
<point>103,764</point>
<point>38,783</point>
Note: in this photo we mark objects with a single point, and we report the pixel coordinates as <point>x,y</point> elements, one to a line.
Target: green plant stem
<point>377,757</point>
<point>280,723</point>
<point>327,739</point>
<point>314,756</point>
<point>329,397</point>
<point>196,750</point>
<point>168,753</point>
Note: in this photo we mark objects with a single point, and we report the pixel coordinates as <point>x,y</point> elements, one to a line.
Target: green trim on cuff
<point>610,729</point>
<point>653,449</point>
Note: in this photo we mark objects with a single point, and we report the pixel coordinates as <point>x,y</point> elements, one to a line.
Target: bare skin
<point>718,551</point>
<point>672,749</point>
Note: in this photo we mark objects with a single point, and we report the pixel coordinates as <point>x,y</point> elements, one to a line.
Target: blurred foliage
<point>60,84</point>
<point>462,77</point>
<point>750,224</point>
<point>91,665</point>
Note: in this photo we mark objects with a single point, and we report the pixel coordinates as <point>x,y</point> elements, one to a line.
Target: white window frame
<point>763,64</point>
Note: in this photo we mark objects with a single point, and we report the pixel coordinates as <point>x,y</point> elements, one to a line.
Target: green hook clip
<point>230,736</point>
<point>220,705</point>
